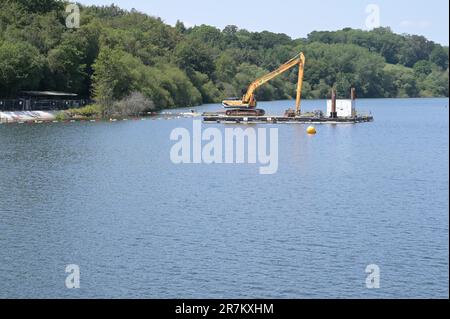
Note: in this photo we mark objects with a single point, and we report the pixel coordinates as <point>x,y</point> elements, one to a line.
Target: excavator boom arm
<point>298,60</point>
<point>301,69</point>
<point>248,103</point>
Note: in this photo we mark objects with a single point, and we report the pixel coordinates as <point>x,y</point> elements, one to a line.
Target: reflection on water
<point>107,197</point>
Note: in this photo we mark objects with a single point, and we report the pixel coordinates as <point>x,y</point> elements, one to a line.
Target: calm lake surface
<point>107,197</point>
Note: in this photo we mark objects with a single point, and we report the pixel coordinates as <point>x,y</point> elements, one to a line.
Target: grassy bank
<point>133,105</point>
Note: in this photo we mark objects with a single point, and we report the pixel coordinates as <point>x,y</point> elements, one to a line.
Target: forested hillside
<point>115,53</point>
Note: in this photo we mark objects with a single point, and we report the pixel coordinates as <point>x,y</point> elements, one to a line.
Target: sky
<point>429,18</point>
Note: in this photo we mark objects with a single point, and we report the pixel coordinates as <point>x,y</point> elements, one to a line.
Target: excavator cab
<point>240,108</point>
<point>231,102</point>
<point>290,113</point>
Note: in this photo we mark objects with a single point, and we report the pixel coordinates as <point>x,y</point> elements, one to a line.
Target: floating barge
<point>338,112</point>
<point>224,119</point>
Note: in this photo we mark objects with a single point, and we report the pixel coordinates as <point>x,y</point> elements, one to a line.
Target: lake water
<point>107,197</point>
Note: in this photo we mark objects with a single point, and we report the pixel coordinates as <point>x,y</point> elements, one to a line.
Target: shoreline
<point>60,116</point>
<point>7,117</point>
<point>41,117</point>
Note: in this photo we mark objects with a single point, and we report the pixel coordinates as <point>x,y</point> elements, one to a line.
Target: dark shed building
<point>42,101</point>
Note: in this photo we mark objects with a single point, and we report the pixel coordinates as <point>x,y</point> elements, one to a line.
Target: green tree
<point>435,84</point>
<point>180,27</point>
<point>225,67</point>
<point>114,75</point>
<point>400,81</point>
<point>208,35</point>
<point>208,90</point>
<point>67,62</point>
<point>40,5</point>
<point>176,66</point>
<point>168,86</point>
<point>21,67</point>
<point>423,68</point>
<point>321,90</point>
<point>194,56</point>
<point>439,56</point>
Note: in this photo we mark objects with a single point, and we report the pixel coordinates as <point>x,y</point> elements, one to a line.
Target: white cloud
<point>422,24</point>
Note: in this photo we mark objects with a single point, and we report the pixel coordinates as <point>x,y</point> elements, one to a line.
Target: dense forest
<point>116,53</point>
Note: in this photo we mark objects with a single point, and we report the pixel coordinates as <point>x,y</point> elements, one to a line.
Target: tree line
<point>116,53</point>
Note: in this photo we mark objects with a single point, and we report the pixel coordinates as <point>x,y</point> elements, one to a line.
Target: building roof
<point>49,93</point>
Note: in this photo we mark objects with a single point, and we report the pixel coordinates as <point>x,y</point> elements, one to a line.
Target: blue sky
<point>297,18</point>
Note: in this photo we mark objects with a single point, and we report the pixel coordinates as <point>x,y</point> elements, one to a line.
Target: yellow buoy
<point>311,130</point>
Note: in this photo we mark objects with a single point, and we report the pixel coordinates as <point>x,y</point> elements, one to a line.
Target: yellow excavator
<point>247,105</point>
